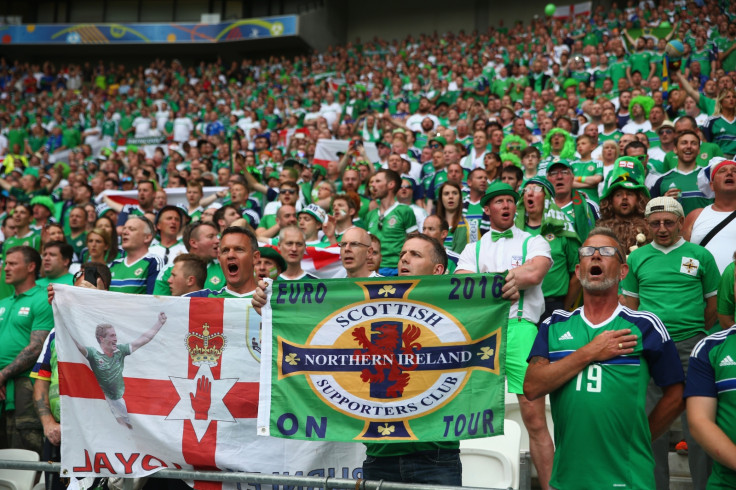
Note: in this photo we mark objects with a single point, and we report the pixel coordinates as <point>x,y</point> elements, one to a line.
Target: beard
<point>598,286</point>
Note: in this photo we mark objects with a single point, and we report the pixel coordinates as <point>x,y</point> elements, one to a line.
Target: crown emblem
<point>205,348</point>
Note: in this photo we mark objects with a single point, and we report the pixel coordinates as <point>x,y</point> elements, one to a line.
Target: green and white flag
<point>384,359</point>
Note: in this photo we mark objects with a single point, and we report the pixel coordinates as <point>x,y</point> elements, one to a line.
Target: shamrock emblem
<point>386,429</point>
<point>292,359</point>
<point>485,353</point>
<point>386,290</point>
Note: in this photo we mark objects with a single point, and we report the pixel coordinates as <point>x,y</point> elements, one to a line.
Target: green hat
<point>273,175</point>
<point>291,162</point>
<point>319,169</point>
<point>498,188</point>
<point>627,173</point>
<point>559,161</point>
<point>46,202</point>
<point>132,148</point>
<point>439,139</point>
<point>31,171</point>
<point>539,180</point>
<point>270,253</point>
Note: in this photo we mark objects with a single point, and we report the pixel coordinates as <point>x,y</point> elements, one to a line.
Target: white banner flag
<point>150,382</point>
<point>570,11</point>
<point>326,151</point>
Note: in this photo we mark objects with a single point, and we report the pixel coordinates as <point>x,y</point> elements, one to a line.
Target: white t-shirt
<point>142,126</point>
<point>183,127</point>
<point>632,128</point>
<point>506,254</point>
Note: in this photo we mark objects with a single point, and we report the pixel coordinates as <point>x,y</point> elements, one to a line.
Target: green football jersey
<point>722,132</point>
<point>136,278</point>
<point>391,228</point>
<point>606,399</point>
<point>688,269</point>
<point>564,259</point>
<point>215,279</point>
<point>32,239</point>
<point>691,197</point>
<point>588,169</point>
<point>109,370</point>
<point>712,374</point>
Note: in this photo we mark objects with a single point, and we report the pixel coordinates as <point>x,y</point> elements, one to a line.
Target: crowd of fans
<point>582,111</point>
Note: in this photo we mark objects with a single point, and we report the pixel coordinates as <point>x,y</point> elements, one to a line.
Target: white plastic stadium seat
<point>485,468</point>
<point>513,412</point>
<point>17,479</point>
<point>507,445</point>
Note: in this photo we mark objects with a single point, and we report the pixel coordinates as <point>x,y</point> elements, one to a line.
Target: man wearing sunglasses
<point>677,281</point>
<point>596,363</point>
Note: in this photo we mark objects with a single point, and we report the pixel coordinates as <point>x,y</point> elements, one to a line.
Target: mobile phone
<point>91,275</point>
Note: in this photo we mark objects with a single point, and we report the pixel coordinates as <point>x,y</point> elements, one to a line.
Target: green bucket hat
<point>498,188</point>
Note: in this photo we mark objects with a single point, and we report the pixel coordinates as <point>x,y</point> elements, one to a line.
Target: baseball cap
<point>560,161</point>
<point>664,204</point>
<point>498,188</point>
<point>314,211</point>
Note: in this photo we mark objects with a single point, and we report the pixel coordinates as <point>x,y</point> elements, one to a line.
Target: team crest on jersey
<point>138,271</point>
<point>388,348</point>
<point>79,243</point>
<point>24,311</point>
<point>215,280</point>
<point>549,236</point>
<point>591,168</point>
<point>392,221</point>
<point>689,266</point>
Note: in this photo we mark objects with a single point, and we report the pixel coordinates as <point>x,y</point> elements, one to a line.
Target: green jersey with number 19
<point>606,399</point>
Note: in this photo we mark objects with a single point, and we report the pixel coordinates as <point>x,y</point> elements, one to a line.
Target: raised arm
<point>253,184</point>
<point>148,335</point>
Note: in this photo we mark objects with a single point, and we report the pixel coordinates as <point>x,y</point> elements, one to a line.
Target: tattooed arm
<point>25,359</point>
<point>51,428</point>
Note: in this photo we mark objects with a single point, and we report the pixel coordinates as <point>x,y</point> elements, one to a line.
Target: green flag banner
<point>384,359</point>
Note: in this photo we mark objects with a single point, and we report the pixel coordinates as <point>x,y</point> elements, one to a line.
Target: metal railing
<point>327,483</point>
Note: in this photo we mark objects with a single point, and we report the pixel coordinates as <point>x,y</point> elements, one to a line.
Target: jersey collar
<point>666,250</point>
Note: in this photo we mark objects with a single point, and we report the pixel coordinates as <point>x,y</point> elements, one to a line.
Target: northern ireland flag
<point>324,263</point>
<point>174,196</point>
<point>570,11</point>
<point>153,382</point>
<point>327,151</point>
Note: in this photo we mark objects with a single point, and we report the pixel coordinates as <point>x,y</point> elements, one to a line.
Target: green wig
<point>645,102</point>
<point>510,157</point>
<point>568,151</point>
<point>512,138</point>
